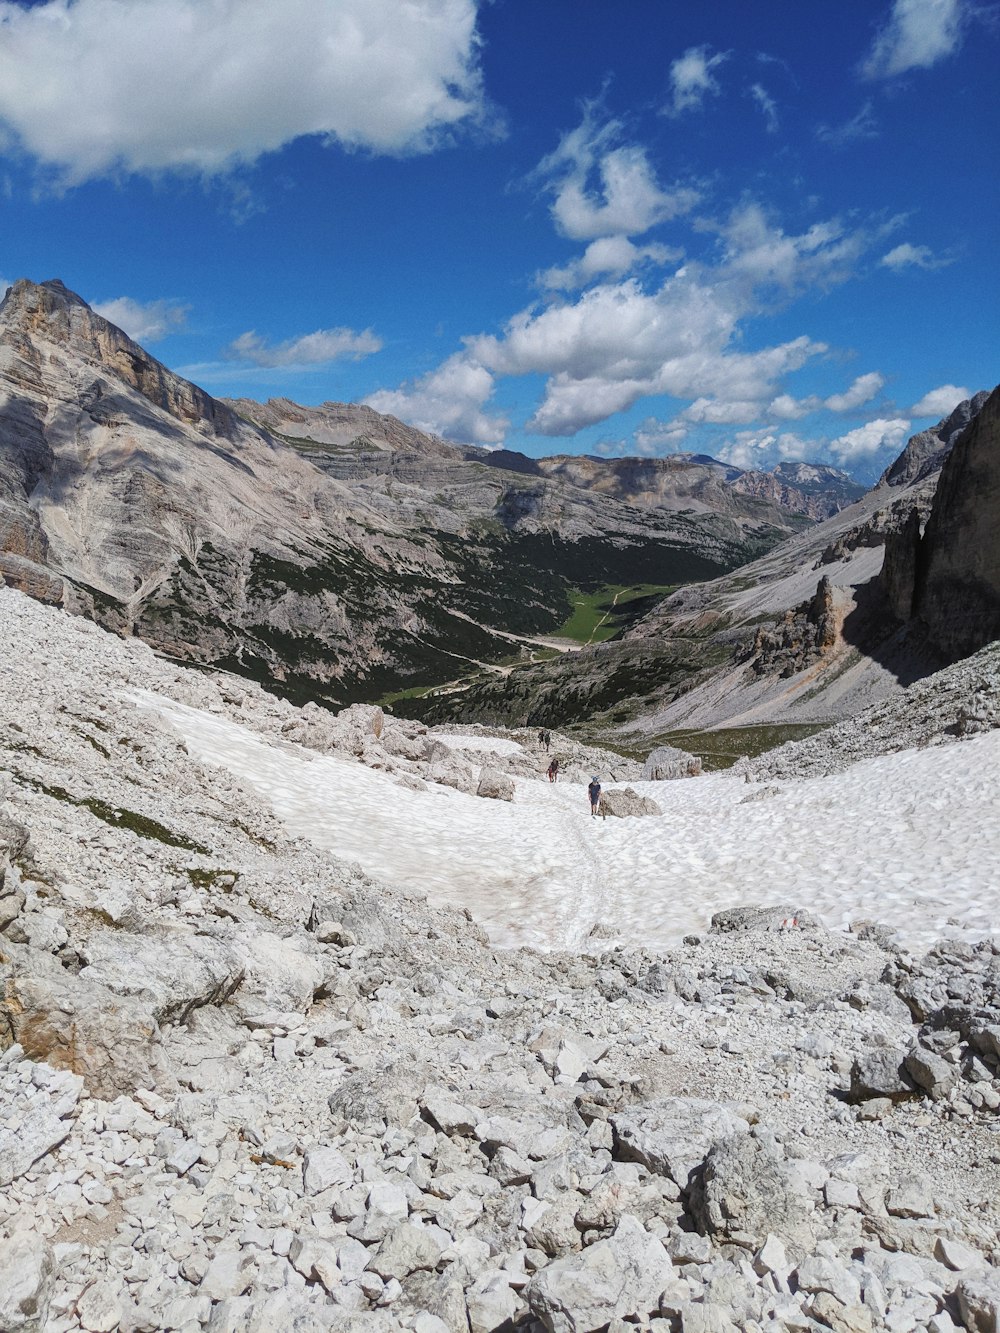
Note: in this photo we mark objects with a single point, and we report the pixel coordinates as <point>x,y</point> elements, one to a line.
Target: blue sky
<point>758,230</point>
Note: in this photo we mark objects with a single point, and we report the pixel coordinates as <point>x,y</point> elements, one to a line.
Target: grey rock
<point>71,1023</point>
<point>747,1191</point>
<point>495,785</point>
<point>624,803</point>
<point>406,1249</point>
<point>666,763</point>
<point>26,1267</point>
<point>620,1277</point>
<point>979,1303</point>
<point>880,1072</point>
<point>672,1136</point>
<point>929,1071</point>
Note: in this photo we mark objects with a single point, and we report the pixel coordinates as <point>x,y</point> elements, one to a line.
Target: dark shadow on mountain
<point>900,649</point>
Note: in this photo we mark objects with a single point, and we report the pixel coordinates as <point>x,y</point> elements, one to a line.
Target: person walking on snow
<point>554,771</point>
<point>594,792</point>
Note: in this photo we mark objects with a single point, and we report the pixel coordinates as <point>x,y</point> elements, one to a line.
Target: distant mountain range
<point>333,552</point>
<point>840,615</point>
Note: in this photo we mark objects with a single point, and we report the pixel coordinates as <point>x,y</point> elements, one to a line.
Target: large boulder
<point>174,973</point>
<point>747,1191</point>
<point>26,1266</point>
<point>671,1137</point>
<point>74,1023</point>
<point>624,802</point>
<point>618,1278</point>
<point>495,785</point>
<point>666,763</point>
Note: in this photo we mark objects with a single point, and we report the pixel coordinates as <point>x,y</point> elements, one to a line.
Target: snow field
<point>911,839</point>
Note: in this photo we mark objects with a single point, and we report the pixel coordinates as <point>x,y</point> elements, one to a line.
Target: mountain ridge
<point>132,496</point>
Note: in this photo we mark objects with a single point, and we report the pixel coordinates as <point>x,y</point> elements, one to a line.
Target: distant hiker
<point>554,771</point>
<point>594,792</point>
<point>541,739</point>
<point>547,737</point>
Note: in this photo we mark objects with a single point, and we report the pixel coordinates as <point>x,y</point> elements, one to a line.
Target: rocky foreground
<point>245,1087</point>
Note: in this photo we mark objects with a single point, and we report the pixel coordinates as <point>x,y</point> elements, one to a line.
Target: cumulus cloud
<point>758,451</point>
<point>95,87</point>
<point>767,105</point>
<point>607,257</point>
<point>654,437</point>
<point>311,349</point>
<point>939,403</point>
<point>788,408</point>
<point>917,34</point>
<point>862,126</point>
<point>869,439</point>
<point>144,322</point>
<point>913,256</point>
<point>448,401</point>
<point>618,342</point>
<point>692,79</point>
<point>605,189</point>
<point>862,391</point>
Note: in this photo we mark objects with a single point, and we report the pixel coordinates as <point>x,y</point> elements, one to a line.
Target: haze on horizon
<point>752,232</point>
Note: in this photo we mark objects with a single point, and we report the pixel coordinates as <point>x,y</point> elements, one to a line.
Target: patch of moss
<point>209,879</point>
<point>141,825</point>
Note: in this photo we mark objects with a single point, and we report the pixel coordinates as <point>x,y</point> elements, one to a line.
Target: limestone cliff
<point>957,561</point>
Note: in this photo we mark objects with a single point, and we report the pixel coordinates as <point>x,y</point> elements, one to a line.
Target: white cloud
<point>912,256</point>
<point>95,87</point>
<point>143,321</point>
<point>939,403</point>
<point>448,401</point>
<point>721,412</point>
<point>607,257</point>
<point>862,391</point>
<point>768,106</point>
<point>917,35</point>
<point>606,190</point>
<point>862,126</point>
<point>619,342</point>
<point>691,79</point>
<point>870,439</point>
<point>659,437</point>
<point>311,349</point>
<point>758,451</point>
<point>788,408</point>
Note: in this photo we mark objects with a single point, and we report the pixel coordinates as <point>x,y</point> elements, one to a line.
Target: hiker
<point>554,771</point>
<point>594,792</point>
<point>541,739</point>
<point>548,740</point>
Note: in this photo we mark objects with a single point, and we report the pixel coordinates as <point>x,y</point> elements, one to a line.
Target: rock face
<point>925,452</point>
<point>941,574</point>
<point>957,583</point>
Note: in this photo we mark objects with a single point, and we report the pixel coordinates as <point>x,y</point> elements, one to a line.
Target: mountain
<point>809,632</point>
<point>356,443</point>
<point>944,581</point>
<point>334,552</point>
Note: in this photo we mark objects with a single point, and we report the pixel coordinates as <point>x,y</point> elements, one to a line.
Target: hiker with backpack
<point>594,792</point>
<point>554,771</point>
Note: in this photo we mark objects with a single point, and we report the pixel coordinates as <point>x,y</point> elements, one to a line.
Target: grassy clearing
<point>598,616</point>
<point>721,749</point>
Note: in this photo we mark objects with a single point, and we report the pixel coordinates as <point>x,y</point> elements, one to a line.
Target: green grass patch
<point>721,749</point>
<point>599,616</point>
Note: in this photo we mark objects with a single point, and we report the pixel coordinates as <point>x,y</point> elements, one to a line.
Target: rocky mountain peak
<point>50,338</point>
<point>927,450</point>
